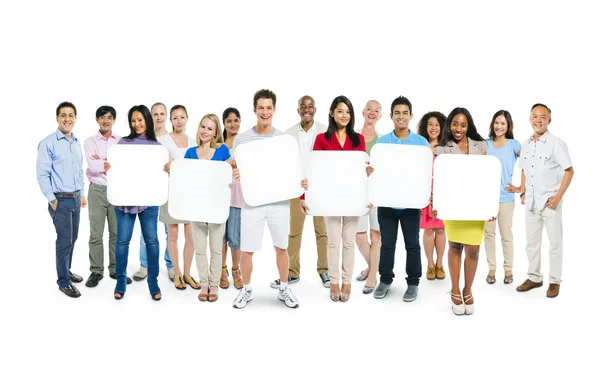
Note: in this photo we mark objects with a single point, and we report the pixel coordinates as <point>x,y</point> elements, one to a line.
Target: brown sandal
<point>223,282</point>
<point>202,297</point>
<point>213,297</point>
<point>237,282</point>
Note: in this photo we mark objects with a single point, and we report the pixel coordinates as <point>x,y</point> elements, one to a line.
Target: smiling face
<point>459,127</point>
<point>264,111</point>
<point>66,120</point>
<point>232,124</point>
<point>401,116</point>
<point>179,120</point>
<point>540,119</point>
<point>105,122</point>
<point>341,115</point>
<point>207,130</point>
<point>500,126</point>
<point>433,128</point>
<point>307,110</point>
<point>138,123</point>
<point>159,115</point>
<point>372,113</point>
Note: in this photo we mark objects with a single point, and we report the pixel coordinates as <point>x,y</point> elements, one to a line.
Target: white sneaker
<point>242,299</point>
<point>288,298</point>
<point>141,274</point>
<point>171,273</point>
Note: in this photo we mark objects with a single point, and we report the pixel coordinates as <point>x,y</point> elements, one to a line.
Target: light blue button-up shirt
<point>59,165</point>
<point>412,139</point>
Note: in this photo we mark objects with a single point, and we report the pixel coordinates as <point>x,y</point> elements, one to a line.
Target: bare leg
<point>188,250</point>
<point>283,263</point>
<point>454,263</point>
<point>246,266</point>
<point>428,244</point>
<point>362,242</point>
<point>375,251</point>
<point>173,231</point>
<point>235,258</point>
<point>440,246</point>
<point>471,259</point>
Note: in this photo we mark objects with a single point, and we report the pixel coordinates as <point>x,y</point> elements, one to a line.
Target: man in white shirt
<point>305,133</point>
<point>547,173</point>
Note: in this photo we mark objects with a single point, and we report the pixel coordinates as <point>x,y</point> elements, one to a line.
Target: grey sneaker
<point>244,296</point>
<point>325,279</point>
<point>141,274</point>
<point>381,290</point>
<point>411,293</point>
<point>286,296</point>
<point>291,280</point>
<point>171,273</point>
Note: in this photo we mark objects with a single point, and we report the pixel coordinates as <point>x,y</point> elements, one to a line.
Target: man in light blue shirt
<point>408,218</point>
<point>60,176</point>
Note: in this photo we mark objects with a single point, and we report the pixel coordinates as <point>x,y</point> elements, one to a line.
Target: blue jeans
<point>125,222</point>
<point>143,256</point>
<point>66,223</point>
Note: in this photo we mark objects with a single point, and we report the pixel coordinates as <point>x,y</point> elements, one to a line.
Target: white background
<point>480,55</point>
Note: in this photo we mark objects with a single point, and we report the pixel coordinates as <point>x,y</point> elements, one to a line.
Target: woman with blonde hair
<point>210,147</point>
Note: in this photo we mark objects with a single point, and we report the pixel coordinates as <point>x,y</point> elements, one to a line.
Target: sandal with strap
<point>508,279</point>
<point>238,283</point>
<point>190,281</point>
<point>458,309</point>
<point>202,297</point>
<point>212,297</point>
<point>469,308</point>
<point>490,279</point>
<point>223,282</point>
<point>179,284</point>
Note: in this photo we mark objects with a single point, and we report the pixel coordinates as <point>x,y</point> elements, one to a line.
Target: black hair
<point>102,110</point>
<point>332,128</point>
<point>149,123</point>
<point>226,113</point>
<point>65,104</point>
<point>401,100</point>
<point>509,123</point>
<point>422,126</point>
<point>265,93</point>
<point>471,128</point>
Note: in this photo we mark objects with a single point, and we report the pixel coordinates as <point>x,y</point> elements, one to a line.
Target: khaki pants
<point>295,239</point>
<point>534,224</point>
<point>344,229</point>
<point>200,231</point>
<point>504,221</point>
<point>100,211</point>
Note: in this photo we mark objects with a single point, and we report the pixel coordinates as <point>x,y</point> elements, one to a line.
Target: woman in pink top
<point>434,236</point>
<point>231,122</point>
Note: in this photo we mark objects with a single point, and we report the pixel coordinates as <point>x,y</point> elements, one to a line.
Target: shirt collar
<point>312,128</point>
<point>543,137</point>
<point>400,139</point>
<point>60,135</point>
<point>100,137</point>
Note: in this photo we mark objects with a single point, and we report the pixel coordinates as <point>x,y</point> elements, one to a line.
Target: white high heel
<point>469,308</point>
<point>458,309</point>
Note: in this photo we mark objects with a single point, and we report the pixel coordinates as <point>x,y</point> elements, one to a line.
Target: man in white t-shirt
<point>305,133</point>
<point>253,218</point>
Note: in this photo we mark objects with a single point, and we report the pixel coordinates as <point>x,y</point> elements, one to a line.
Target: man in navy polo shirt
<point>401,114</point>
<point>60,176</point>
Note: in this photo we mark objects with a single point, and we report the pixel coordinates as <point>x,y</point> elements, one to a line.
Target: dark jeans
<point>388,224</point>
<point>148,222</point>
<point>66,223</point>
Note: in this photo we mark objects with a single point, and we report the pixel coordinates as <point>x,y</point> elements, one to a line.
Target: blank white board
<point>136,176</point>
<point>270,170</point>
<point>466,187</point>
<point>199,190</point>
<point>401,176</point>
<point>337,183</point>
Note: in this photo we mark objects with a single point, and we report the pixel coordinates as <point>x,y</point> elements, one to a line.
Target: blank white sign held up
<point>401,176</point>
<point>465,187</point>
<point>337,183</point>
<point>199,190</point>
<point>136,176</point>
<point>270,170</point>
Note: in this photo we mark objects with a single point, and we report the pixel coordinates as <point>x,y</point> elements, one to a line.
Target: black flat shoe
<point>118,295</point>
<point>93,280</point>
<point>75,278</point>
<point>114,277</point>
<point>157,297</point>
<point>71,291</point>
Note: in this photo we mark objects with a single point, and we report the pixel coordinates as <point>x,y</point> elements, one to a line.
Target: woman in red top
<point>340,136</point>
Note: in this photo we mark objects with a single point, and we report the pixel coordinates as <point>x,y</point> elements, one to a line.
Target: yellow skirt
<point>465,232</point>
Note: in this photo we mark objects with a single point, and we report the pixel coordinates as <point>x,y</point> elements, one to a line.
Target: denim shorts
<point>233,228</point>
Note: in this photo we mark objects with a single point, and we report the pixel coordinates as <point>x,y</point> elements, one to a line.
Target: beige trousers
<point>505,218</point>
<point>534,224</point>
<point>200,232</point>
<point>341,229</point>
<point>295,239</point>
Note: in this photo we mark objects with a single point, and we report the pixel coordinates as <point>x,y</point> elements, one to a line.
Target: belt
<point>67,195</point>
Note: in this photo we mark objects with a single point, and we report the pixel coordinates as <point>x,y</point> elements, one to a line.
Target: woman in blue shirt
<point>502,145</point>
<point>210,147</point>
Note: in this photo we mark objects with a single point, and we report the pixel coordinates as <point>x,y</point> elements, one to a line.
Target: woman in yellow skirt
<point>460,137</point>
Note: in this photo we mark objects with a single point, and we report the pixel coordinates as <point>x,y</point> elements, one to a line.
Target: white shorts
<point>363,222</point>
<point>253,225</point>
